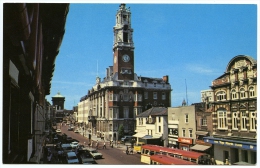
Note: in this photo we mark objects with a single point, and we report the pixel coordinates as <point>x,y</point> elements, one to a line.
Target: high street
<point>111,156</point>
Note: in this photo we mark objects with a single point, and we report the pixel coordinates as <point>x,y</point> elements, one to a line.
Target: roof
<point>154,111</point>
<point>151,80</point>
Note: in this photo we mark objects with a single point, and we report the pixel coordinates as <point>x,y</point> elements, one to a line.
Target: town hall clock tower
<point>123,47</point>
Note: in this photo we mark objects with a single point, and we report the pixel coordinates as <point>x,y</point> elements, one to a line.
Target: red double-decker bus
<point>168,160</point>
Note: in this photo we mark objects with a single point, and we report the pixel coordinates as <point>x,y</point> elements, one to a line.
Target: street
<point>111,156</point>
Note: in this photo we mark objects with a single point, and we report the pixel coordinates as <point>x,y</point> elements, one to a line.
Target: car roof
<point>71,154</point>
<point>65,145</point>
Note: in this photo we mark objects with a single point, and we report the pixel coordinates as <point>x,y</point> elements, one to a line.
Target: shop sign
<point>232,144</point>
<point>185,140</point>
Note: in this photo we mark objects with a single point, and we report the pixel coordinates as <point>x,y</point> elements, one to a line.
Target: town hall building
<point>121,95</point>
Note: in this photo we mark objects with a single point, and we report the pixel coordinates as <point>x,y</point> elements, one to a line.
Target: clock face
<point>126,58</point>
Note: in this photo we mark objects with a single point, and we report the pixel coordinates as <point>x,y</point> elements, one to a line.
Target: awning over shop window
<point>157,136</point>
<point>200,147</point>
<point>201,133</point>
<point>139,135</point>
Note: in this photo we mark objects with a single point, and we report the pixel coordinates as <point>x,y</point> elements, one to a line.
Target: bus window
<point>151,152</point>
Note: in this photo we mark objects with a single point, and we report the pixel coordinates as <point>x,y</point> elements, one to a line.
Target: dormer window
<point>154,84</point>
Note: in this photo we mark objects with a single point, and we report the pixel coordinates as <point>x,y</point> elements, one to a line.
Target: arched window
<point>234,94</point>
<point>234,120</point>
<point>252,92</point>
<point>252,121</point>
<point>242,93</point>
<point>221,95</point>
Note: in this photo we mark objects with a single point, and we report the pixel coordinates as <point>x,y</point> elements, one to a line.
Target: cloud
<point>201,69</point>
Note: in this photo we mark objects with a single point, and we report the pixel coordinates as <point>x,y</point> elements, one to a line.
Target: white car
<point>58,130</point>
<point>74,144</point>
<point>76,131</point>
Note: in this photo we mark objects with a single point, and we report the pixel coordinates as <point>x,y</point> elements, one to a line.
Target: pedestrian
<point>213,161</point>
<point>97,145</point>
<point>131,151</point>
<point>49,157</point>
<point>111,144</point>
<point>127,151</point>
<point>104,146</point>
<point>89,144</point>
<point>92,143</point>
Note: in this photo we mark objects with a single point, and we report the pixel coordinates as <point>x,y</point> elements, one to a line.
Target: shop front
<point>233,151</point>
<point>185,143</point>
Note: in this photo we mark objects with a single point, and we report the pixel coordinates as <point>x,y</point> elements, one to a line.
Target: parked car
<point>76,131</point>
<point>74,144</point>
<point>72,158</point>
<point>58,130</point>
<point>85,157</point>
<point>66,148</point>
<point>70,129</point>
<point>95,154</point>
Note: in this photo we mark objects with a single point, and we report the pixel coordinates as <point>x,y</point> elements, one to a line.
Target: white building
<point>152,125</point>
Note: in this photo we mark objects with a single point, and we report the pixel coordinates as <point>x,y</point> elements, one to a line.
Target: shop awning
<point>201,133</point>
<point>139,135</point>
<point>157,136</point>
<point>200,147</point>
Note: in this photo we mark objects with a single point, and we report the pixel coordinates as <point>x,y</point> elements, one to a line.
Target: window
<point>159,119</point>
<point>154,95</point>
<point>140,121</point>
<point>222,119</point>
<point>145,84</point>
<point>183,132</point>
<point>190,132</point>
<point>126,97</point>
<point>145,95</point>
<point>110,113</point>
<point>234,120</point>
<point>139,97</point>
<point>242,93</point>
<point>159,128</point>
<point>234,94</point>
<point>243,120</point>
<point>154,84</point>
<point>110,96</point>
<point>252,120</point>
<point>163,96</point>
<point>126,112</point>
<point>251,91</point>
<point>221,95</point>
<point>203,122</point>
<point>186,118</point>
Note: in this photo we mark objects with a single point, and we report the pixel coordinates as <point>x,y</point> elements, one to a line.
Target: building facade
<point>29,52</point>
<point>235,112</point>
<point>181,127</point>
<point>152,125</point>
<point>121,95</point>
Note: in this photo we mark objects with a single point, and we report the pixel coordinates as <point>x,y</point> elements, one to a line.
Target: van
<point>127,139</point>
<point>138,146</point>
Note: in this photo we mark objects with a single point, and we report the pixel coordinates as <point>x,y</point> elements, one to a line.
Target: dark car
<point>85,157</point>
<point>70,129</point>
